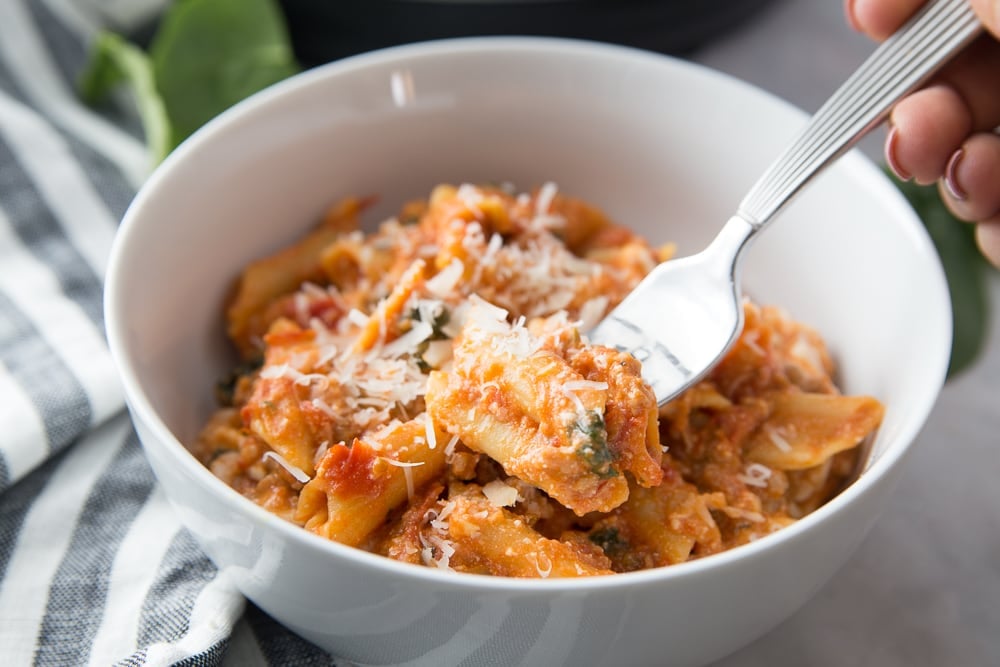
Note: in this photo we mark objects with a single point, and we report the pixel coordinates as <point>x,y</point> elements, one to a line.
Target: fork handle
<point>897,67</point>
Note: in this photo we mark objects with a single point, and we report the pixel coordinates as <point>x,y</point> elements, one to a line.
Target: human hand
<point>946,131</point>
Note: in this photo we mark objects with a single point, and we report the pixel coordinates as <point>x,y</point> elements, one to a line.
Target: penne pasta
<point>272,277</point>
<point>804,430</point>
<point>489,539</point>
<point>356,486</point>
<point>426,392</point>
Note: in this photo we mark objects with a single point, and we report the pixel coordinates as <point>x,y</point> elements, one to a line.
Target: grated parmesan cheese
<point>750,340</point>
<point>592,312</point>
<point>449,449</point>
<point>807,352</point>
<point>429,428</point>
<point>407,467</point>
<point>438,522</point>
<point>545,196</point>
<point>485,314</point>
<point>438,353</point>
<point>355,316</point>
<point>445,281</point>
<point>576,385</point>
<point>408,342</point>
<point>703,512</point>
<point>301,304</point>
<point>756,474</point>
<point>324,407</point>
<point>492,248</point>
<point>777,439</point>
<point>320,452</point>
<point>500,494</point>
<point>542,563</point>
<point>443,545</point>
<point>293,470</point>
<point>580,407</point>
<point>470,196</point>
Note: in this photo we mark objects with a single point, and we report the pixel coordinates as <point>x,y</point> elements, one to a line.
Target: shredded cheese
<point>542,563</point>
<point>301,303</point>
<point>576,385</point>
<point>777,439</point>
<point>438,353</point>
<point>449,449</point>
<point>408,342</point>
<point>407,472</point>
<point>702,509</point>
<point>500,494</point>
<point>592,312</point>
<point>429,428</point>
<point>293,470</point>
<point>756,474</point>
<point>355,316</point>
<point>545,196</point>
<point>437,539</point>
<point>750,340</point>
<point>444,283</point>
<point>805,351</point>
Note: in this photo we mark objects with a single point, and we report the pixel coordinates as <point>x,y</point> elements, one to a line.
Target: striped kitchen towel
<point>94,567</point>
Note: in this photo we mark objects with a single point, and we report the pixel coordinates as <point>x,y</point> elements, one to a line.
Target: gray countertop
<point>924,588</point>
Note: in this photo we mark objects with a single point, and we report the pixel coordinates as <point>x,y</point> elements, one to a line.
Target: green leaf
<point>964,267</point>
<point>209,54</point>
<point>206,56</point>
<point>114,61</point>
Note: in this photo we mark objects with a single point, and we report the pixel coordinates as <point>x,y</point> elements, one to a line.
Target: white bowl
<point>662,145</point>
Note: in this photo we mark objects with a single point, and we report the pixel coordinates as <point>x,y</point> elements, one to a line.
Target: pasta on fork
<point>427,392</point>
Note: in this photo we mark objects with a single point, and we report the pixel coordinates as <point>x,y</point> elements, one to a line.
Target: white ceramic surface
<point>664,146</point>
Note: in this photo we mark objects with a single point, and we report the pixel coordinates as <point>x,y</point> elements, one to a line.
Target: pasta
<point>427,392</point>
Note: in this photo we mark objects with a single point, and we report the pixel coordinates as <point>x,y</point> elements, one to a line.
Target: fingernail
<point>890,156</point>
<point>849,13</point>
<point>951,177</point>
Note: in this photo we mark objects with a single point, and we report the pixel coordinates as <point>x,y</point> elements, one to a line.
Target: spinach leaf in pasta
<point>594,450</point>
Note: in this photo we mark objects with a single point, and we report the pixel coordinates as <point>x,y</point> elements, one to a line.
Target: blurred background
<point>322,31</point>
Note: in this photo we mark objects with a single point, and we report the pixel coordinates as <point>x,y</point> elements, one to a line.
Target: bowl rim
<point>861,171</point>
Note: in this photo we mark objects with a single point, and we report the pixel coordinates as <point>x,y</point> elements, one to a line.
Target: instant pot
<point>324,30</point>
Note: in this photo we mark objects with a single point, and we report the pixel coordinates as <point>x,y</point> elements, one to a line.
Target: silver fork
<point>683,317</point>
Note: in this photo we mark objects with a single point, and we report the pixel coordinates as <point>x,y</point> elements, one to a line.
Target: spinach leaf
<point>114,61</point>
<point>964,267</point>
<point>210,54</point>
<point>205,56</point>
<point>611,541</point>
<point>594,449</point>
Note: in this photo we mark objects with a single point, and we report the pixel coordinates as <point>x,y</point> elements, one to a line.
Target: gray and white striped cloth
<point>94,568</point>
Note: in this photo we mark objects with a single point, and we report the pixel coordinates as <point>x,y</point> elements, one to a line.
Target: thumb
<point>989,13</point>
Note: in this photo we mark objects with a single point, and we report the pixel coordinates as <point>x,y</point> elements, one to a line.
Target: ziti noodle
<point>425,393</point>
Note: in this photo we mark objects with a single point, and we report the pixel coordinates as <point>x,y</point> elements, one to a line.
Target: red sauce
<point>350,471</point>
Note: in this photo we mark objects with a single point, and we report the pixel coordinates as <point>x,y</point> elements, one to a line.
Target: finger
<point>988,239</point>
<point>929,125</point>
<point>927,128</point>
<point>974,76</point>
<point>989,13</point>
<point>971,184</point>
<point>879,18</point>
